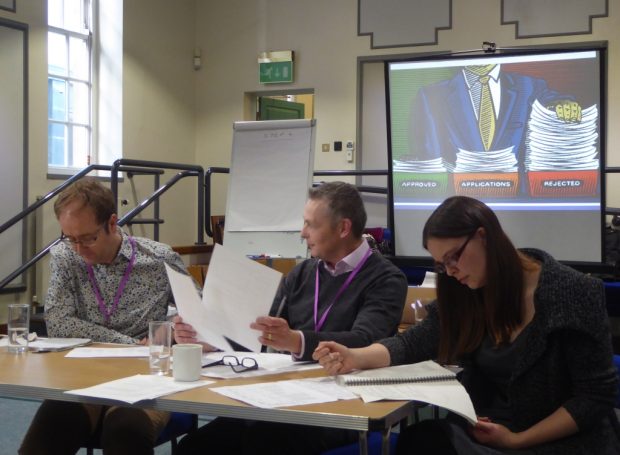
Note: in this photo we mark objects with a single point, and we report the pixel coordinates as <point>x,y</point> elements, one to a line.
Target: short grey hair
<point>343,201</point>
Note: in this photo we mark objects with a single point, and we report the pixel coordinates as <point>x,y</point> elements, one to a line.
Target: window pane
<point>81,147</point>
<point>78,59</point>
<point>78,102</point>
<point>55,13</point>
<point>56,145</point>
<point>57,54</point>
<point>57,99</point>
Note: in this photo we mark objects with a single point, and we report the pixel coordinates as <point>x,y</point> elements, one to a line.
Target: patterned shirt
<point>71,308</point>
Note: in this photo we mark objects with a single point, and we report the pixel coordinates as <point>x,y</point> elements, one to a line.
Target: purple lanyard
<point>121,287</point>
<point>319,324</point>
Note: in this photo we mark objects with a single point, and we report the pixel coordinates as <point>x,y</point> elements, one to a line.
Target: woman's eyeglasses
<point>237,365</point>
<point>451,260</point>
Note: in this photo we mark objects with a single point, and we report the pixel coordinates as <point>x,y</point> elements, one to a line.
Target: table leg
<point>363,442</point>
<point>385,441</point>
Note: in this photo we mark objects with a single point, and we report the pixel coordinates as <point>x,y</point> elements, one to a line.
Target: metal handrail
<point>191,170</point>
<point>129,167</point>
<point>225,170</point>
<point>160,191</point>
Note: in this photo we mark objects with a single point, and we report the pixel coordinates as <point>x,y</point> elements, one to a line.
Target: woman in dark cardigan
<point>532,337</point>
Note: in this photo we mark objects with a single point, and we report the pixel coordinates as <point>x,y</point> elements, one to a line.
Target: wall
<point>323,34</point>
<point>173,113</point>
<point>158,115</point>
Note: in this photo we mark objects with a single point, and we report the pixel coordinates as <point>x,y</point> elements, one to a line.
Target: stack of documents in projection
<point>486,173</point>
<point>561,157</point>
<point>422,177</point>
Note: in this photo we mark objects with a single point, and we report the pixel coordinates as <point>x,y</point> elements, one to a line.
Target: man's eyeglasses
<point>237,365</point>
<point>451,260</point>
<point>86,240</point>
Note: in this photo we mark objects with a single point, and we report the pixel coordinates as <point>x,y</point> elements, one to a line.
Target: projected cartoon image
<point>499,130</point>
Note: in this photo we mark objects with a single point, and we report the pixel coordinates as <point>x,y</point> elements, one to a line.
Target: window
<point>69,84</point>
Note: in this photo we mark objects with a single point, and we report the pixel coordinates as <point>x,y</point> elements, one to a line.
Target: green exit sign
<point>275,67</point>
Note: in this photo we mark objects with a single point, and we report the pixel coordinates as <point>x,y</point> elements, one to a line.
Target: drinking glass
<point>18,324</point>
<point>160,340</point>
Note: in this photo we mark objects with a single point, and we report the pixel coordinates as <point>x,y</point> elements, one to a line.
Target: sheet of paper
<point>191,309</point>
<point>237,290</point>
<point>134,351</point>
<point>448,395</point>
<point>137,388</point>
<point>268,363</point>
<point>295,392</point>
<point>429,280</point>
<point>56,344</point>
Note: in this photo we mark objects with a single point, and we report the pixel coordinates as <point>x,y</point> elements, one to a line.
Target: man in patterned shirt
<point>107,286</point>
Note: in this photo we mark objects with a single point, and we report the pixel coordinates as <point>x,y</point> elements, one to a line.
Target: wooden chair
<point>217,227</point>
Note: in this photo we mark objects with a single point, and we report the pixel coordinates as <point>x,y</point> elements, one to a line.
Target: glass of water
<point>160,340</point>
<point>18,324</point>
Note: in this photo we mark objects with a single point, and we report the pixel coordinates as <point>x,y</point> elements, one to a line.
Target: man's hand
<point>277,334</point>
<point>568,111</point>
<point>185,333</point>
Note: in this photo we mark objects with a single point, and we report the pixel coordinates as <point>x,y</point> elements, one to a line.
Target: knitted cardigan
<point>566,361</point>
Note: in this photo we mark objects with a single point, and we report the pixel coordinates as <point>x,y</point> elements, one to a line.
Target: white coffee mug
<point>186,362</point>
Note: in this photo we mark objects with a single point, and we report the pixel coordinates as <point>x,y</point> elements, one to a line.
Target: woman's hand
<point>277,334</point>
<point>334,357</point>
<point>494,434</point>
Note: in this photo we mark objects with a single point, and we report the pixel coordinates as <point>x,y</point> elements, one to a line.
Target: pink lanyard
<point>319,324</point>
<point>121,287</point>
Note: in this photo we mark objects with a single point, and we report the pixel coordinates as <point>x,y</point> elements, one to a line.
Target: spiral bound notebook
<point>421,372</point>
<point>427,371</point>
<point>426,382</point>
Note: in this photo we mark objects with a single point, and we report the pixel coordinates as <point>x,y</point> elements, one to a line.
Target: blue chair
<point>179,424</point>
<point>374,445</point>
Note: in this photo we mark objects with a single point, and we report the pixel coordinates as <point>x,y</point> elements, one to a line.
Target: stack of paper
<point>491,161</point>
<point>137,388</point>
<point>428,383</point>
<point>555,145</point>
<point>422,166</point>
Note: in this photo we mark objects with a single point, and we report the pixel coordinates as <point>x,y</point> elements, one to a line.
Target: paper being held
<point>237,290</point>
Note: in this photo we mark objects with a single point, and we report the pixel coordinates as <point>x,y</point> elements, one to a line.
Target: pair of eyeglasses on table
<point>238,365</point>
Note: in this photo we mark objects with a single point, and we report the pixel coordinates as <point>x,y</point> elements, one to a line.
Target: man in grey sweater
<point>345,292</point>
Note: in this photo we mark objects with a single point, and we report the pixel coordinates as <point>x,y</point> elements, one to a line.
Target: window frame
<point>68,123</point>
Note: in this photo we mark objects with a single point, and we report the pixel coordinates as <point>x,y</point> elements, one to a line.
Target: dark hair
<point>91,194</point>
<point>466,314</point>
<point>343,201</point>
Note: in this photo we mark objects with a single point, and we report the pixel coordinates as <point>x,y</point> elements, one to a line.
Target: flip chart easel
<point>270,173</point>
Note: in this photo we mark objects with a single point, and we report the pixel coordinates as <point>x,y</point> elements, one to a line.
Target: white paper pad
<point>237,290</point>
<point>268,363</point>
<point>287,393</point>
<point>135,351</point>
<point>137,388</point>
